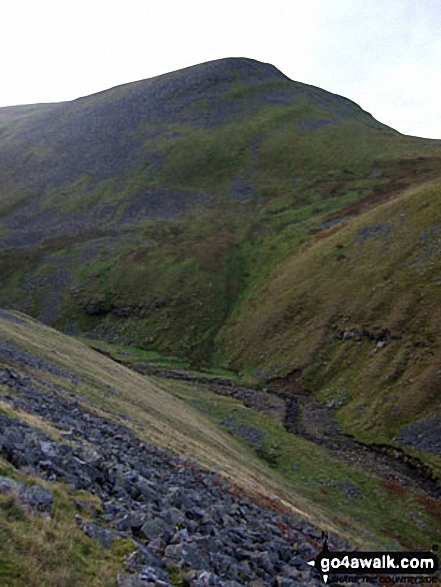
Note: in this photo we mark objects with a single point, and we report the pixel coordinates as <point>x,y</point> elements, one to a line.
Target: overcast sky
<point>383,54</point>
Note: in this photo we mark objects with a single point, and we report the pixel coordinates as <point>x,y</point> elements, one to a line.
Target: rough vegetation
<point>87,429</point>
<point>227,219</point>
<point>79,489</point>
<point>81,473</point>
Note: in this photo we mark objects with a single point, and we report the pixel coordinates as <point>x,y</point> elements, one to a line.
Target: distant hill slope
<point>234,218</point>
<point>162,146</point>
<point>357,313</point>
<point>124,130</point>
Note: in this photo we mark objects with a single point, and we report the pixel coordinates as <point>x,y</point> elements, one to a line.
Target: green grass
<point>37,550</point>
<point>191,421</point>
<point>378,272</point>
<point>309,471</point>
<point>133,357</point>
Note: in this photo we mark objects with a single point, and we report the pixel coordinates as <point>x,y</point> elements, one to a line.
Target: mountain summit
<point>105,136</point>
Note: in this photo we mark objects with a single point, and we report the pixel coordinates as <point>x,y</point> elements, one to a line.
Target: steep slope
<point>94,465</point>
<point>236,219</point>
<point>144,212</point>
<point>82,483</point>
<point>154,414</point>
<point>354,317</point>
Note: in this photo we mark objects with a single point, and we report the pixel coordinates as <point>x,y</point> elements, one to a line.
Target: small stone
<point>8,485</point>
<point>173,553</point>
<point>125,580</point>
<point>102,535</point>
<point>48,449</point>
<point>37,497</point>
<point>152,529</point>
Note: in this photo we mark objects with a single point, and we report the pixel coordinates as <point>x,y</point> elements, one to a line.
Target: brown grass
<point>155,415</point>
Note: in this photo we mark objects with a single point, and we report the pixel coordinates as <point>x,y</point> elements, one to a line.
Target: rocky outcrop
<point>181,517</point>
<point>424,434</point>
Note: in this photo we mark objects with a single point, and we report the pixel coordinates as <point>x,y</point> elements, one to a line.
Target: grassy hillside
<point>232,218</point>
<point>218,432</point>
<point>38,549</point>
<point>357,310</point>
<point>153,413</point>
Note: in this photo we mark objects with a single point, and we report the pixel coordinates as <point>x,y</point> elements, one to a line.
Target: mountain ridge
<point>158,99</point>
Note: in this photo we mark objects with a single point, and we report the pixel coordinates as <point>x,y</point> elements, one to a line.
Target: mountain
<point>238,221</point>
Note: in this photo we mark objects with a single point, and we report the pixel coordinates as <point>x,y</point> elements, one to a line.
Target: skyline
<point>386,56</point>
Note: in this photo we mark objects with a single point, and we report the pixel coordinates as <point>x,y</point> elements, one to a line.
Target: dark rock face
<point>178,514</point>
